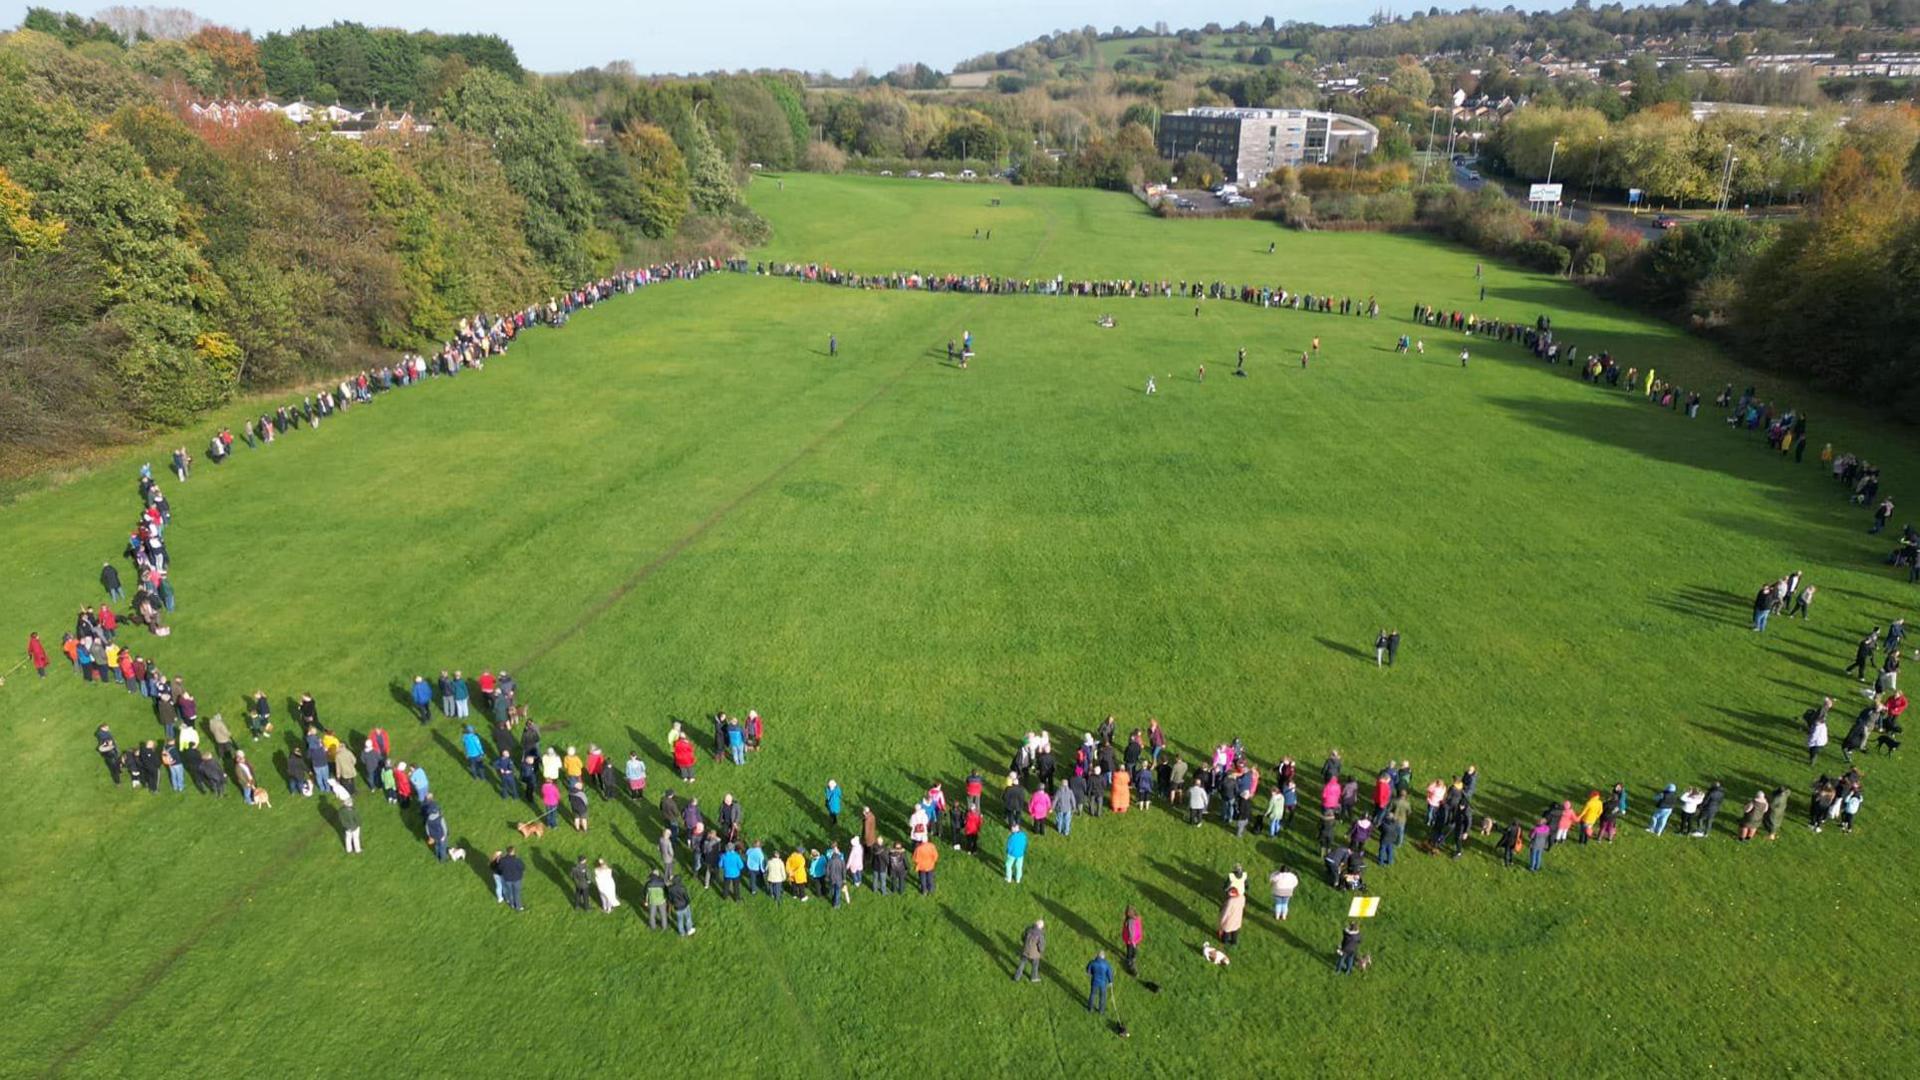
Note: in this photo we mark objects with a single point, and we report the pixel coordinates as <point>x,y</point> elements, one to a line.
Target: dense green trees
<point>357,66</point>
<point>536,146</point>
<point>170,262</point>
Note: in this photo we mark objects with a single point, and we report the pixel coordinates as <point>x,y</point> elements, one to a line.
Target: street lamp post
<point>1726,179</point>
<point>1433,120</point>
<point>1552,155</point>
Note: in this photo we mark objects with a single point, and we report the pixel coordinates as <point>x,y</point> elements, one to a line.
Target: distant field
<point>680,504</point>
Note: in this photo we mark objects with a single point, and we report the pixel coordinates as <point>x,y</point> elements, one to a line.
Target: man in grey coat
<point>1033,946</point>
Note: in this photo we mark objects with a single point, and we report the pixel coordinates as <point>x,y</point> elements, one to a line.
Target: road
<point>1641,223</point>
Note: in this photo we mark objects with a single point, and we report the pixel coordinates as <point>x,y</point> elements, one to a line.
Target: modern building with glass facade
<point>1250,143</point>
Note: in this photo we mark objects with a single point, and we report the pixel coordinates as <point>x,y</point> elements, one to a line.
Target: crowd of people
<point>1363,814</point>
<point>1266,296</point>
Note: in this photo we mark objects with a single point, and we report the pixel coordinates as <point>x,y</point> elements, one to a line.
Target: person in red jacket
<point>684,756</point>
<point>37,653</point>
<point>1382,795</point>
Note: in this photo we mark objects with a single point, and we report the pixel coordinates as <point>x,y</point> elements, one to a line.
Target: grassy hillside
<point>680,504</point>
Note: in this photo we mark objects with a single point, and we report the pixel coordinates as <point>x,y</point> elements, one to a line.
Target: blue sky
<point>814,35</point>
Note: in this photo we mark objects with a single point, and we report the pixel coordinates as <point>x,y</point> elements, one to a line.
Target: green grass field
<point>680,504</point>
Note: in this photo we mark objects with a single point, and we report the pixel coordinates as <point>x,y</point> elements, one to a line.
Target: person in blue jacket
<point>422,698</point>
<point>833,802</point>
<point>756,867</point>
<point>1099,979</point>
<point>731,866</point>
<point>475,753</point>
<point>436,828</point>
<point>1016,855</point>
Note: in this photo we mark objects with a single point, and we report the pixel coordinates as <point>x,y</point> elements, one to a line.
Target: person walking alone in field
<point>1863,654</point>
<point>833,345</point>
<point>1151,389</point>
<point>1132,932</point>
<point>1033,947</point>
<point>1099,982</point>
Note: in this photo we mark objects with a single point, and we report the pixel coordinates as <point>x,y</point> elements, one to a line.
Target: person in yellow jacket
<point>1589,815</point>
<point>797,873</point>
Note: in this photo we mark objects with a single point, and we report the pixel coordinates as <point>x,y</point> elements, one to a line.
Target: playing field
<point>680,504</point>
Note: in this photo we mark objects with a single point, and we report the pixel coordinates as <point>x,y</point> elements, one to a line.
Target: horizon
<point>806,37</point>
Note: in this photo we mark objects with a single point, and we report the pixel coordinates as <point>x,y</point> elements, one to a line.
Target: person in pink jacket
<point>1330,796</point>
<point>1567,816</point>
<point>1038,807</point>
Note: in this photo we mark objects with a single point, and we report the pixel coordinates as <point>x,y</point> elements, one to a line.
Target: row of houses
<point>344,122</point>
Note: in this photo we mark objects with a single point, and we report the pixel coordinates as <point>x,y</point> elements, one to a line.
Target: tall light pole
<point>1726,179</point>
<point>1590,171</point>
<point>1552,155</point>
<point>1433,120</point>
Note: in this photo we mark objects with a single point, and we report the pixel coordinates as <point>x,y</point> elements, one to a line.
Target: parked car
<point>754,165</point>
<point>968,174</point>
<point>1474,175</point>
<point>1666,222</point>
<point>913,174</point>
<point>886,172</point>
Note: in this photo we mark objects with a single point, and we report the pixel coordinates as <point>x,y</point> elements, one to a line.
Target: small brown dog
<point>261,800</point>
<point>531,829</point>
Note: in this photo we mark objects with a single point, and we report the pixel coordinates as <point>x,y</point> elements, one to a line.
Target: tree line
<point>155,264</point>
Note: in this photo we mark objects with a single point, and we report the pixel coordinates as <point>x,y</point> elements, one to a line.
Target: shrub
<point>824,157</point>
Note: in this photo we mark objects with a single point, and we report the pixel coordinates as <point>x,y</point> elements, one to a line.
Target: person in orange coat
<point>1122,790</point>
<point>925,856</point>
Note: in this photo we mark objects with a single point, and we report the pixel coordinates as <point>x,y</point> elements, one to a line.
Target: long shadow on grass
<point>814,811</point>
<point>1603,420</point>
<point>1169,906</point>
<point>553,870</point>
<point>889,810</point>
<point>1282,931</point>
<point>646,858</point>
<point>1001,955</point>
<point>1507,803</point>
<point>404,696</point>
<point>1809,662</point>
<point>1190,877</point>
<point>653,751</point>
<point>1072,920</point>
<point>1343,647</point>
<point>1742,738</point>
<point>478,861</point>
<point>978,758</point>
